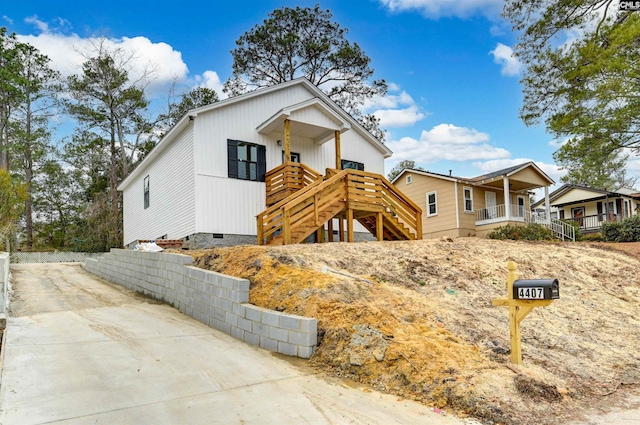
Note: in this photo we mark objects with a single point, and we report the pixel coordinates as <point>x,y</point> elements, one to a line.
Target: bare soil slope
<point>417,320</point>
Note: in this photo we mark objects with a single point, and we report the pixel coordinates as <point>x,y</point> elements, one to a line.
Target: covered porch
<point>301,201</point>
<point>504,195</point>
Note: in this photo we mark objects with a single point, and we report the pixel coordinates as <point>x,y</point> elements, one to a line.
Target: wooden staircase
<point>312,202</point>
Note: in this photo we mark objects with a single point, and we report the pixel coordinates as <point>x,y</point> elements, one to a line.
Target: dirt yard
<point>416,320</point>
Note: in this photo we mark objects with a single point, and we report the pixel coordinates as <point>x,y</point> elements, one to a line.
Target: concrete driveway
<point>80,350</point>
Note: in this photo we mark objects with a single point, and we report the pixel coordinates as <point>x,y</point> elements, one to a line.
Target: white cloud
<point>447,142</point>
<point>211,80</point>
<point>503,55</point>
<point>396,109</point>
<point>435,9</point>
<point>496,31</point>
<point>41,25</point>
<point>7,19</point>
<point>555,143</point>
<point>399,117</point>
<point>67,54</point>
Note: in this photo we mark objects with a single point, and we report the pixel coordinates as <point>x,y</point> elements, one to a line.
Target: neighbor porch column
<point>546,203</point>
<point>287,140</point>
<point>338,159</point>
<point>507,199</point>
<point>330,230</point>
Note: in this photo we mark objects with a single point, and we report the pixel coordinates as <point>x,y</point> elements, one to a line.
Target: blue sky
<point>455,92</point>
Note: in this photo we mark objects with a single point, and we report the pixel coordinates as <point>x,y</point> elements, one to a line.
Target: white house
<point>205,180</point>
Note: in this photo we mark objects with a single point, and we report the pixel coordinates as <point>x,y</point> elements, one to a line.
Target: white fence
<point>52,257</point>
<point>4,287</point>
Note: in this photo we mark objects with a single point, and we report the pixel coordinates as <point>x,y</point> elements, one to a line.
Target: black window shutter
<point>232,158</point>
<point>599,207</point>
<point>561,214</point>
<point>262,163</point>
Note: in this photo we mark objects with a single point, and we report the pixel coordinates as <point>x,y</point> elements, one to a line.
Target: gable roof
<point>505,172</point>
<point>322,98</point>
<point>597,194</point>
<point>318,134</point>
<point>510,171</point>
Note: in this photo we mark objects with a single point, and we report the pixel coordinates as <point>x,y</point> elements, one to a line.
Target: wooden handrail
<point>366,191</point>
<point>286,179</point>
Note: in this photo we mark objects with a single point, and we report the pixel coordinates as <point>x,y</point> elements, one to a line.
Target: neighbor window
<point>468,199</point>
<point>353,165</point>
<point>246,161</point>
<point>409,179</point>
<point>146,192</point>
<point>432,204</point>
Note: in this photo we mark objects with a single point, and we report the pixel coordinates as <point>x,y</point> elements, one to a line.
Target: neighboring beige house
<point>591,207</point>
<point>456,206</point>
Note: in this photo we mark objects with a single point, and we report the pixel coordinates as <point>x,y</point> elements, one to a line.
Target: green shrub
<point>576,227</point>
<point>593,237</point>
<point>627,230</point>
<point>530,232</point>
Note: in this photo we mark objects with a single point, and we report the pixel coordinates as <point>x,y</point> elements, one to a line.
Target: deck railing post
<point>260,230</point>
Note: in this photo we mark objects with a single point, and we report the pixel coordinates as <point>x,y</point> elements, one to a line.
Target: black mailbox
<point>536,289</point>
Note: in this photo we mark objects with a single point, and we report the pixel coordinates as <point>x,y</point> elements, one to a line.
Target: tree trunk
<point>28,176</point>
<point>113,192</point>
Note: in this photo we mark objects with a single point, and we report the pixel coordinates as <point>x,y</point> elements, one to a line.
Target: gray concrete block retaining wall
<point>214,299</point>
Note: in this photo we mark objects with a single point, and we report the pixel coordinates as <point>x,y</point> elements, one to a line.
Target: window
<point>353,165</point>
<point>468,199</point>
<point>409,179</point>
<point>246,161</point>
<point>146,192</point>
<point>295,157</point>
<point>599,211</point>
<point>432,204</point>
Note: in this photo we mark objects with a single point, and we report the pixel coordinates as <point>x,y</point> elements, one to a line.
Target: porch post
<point>287,140</point>
<point>507,199</point>
<point>338,159</point>
<point>546,203</point>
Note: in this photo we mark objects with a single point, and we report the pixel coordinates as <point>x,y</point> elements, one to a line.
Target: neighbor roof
<point>632,193</point>
<point>505,172</point>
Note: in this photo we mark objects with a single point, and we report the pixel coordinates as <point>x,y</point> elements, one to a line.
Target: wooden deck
<point>314,200</point>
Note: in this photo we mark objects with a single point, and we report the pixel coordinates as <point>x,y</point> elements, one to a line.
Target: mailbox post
<point>524,296</point>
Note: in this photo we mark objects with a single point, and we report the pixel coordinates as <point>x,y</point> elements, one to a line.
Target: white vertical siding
<point>238,121</point>
<point>228,205</point>
<point>171,195</point>
<point>314,115</point>
<point>354,147</point>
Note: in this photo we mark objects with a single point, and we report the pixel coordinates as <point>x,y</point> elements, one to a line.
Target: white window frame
<point>409,179</point>
<point>435,194</point>
<point>146,192</point>
<point>464,199</point>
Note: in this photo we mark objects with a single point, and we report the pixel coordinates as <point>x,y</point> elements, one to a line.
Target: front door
<point>521,206</point>
<point>492,208</point>
<point>577,214</point>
